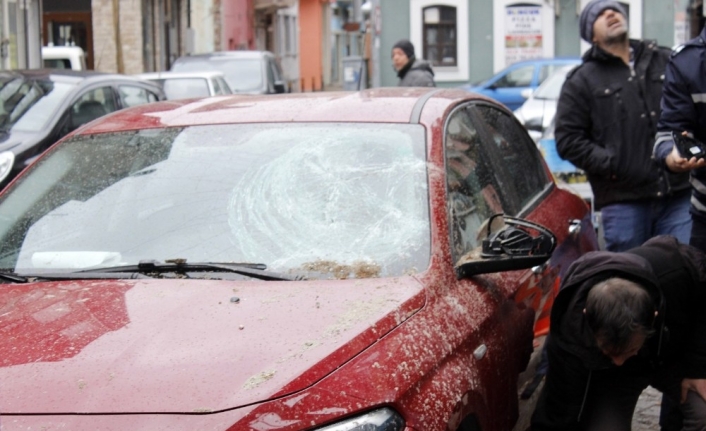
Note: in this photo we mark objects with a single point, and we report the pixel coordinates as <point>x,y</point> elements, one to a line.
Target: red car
<point>370,261</point>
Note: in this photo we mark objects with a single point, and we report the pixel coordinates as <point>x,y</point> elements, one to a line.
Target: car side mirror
<point>527,93</point>
<point>518,244</point>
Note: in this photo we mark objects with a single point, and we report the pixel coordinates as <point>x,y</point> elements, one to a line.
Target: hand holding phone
<point>688,146</point>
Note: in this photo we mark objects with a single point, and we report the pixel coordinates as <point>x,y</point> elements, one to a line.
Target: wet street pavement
<point>646,416</point>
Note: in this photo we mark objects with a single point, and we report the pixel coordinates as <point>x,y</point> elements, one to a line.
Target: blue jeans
<point>629,224</point>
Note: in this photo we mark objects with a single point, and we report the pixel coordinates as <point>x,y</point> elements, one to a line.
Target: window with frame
<point>439,35</point>
<point>519,77</point>
<point>492,166</point>
<point>517,158</point>
<point>131,95</point>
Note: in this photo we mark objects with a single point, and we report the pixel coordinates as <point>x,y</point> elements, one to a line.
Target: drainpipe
<point>118,42</point>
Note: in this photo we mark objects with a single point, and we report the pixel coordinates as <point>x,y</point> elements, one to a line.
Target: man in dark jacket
<point>684,111</point>
<point>413,72</point>
<point>621,322</point>
<point>606,121</point>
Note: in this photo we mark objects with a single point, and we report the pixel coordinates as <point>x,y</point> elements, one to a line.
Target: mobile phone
<point>689,147</point>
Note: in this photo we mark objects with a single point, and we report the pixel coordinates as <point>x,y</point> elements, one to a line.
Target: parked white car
<point>64,57</point>
<point>187,85</point>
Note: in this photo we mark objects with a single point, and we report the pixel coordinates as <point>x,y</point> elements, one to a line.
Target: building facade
<point>469,40</point>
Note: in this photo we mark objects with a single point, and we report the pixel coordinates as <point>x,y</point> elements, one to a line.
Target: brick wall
<point>104,48</point>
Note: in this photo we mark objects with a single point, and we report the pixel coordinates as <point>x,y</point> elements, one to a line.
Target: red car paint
<point>183,354</point>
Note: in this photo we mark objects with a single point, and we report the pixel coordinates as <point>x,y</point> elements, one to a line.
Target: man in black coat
<point>621,322</point>
<point>606,122</point>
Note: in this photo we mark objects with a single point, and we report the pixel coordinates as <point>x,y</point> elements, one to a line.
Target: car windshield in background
<point>242,75</point>
<point>551,88</point>
<point>185,88</point>
<point>27,105</point>
<point>335,200</point>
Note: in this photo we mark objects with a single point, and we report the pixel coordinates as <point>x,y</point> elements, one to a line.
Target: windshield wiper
<point>12,277</point>
<point>147,267</point>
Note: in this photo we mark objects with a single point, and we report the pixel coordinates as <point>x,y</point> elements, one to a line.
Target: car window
<point>224,85</point>
<point>473,190</point>
<point>59,63</point>
<point>332,200</point>
<point>217,90</point>
<point>28,105</point>
<point>551,87</point>
<point>241,74</point>
<point>492,166</point>
<point>132,95</point>
<point>517,162</point>
<point>91,105</point>
<point>546,71</point>
<point>185,88</point>
<point>520,77</point>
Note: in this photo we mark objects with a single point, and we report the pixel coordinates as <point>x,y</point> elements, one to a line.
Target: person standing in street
<point>684,113</point>
<point>412,71</point>
<point>606,123</point>
<point>623,321</point>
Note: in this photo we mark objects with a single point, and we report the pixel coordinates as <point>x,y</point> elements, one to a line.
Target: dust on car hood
<point>184,345</point>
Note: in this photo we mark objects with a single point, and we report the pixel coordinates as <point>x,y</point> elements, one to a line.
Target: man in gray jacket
<point>413,72</point>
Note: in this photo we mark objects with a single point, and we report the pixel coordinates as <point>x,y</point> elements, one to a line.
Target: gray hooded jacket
<point>417,73</point>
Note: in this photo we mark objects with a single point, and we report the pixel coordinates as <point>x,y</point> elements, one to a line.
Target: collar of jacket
<point>402,72</point>
<point>595,53</point>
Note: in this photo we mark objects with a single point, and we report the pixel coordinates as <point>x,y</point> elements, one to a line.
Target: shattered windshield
<point>28,104</point>
<point>334,200</point>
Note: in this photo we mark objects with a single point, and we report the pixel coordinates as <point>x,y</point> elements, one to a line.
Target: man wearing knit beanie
<point>591,13</point>
<point>605,124</point>
<point>412,72</point>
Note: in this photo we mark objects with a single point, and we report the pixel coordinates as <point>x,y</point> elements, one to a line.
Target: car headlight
<point>384,419</point>
<point>7,160</point>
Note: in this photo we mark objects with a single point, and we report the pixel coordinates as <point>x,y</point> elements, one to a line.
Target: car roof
<point>217,55</point>
<point>68,75</point>
<point>80,77</point>
<point>380,105</point>
<point>168,74</point>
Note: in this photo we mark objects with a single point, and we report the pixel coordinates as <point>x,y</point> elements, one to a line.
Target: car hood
<point>184,345</point>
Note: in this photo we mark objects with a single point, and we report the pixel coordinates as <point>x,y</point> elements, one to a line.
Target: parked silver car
<point>538,111</point>
<point>187,85</point>
<point>251,72</point>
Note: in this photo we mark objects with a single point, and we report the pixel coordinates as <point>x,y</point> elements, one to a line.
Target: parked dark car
<point>38,107</point>
<point>376,261</point>
<point>250,72</point>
